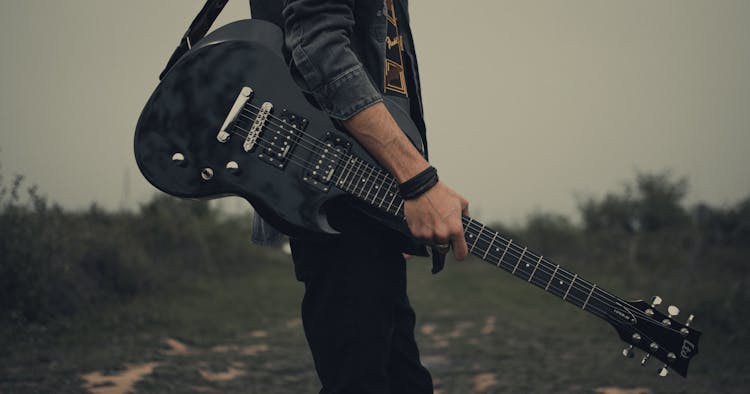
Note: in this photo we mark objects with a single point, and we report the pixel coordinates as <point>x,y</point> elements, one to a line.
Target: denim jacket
<point>336,53</point>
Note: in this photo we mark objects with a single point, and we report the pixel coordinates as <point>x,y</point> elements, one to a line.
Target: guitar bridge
<point>245,94</point>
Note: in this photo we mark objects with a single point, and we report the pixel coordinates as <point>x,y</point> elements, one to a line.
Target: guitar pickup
<point>258,124</point>
<point>245,94</point>
<point>281,137</point>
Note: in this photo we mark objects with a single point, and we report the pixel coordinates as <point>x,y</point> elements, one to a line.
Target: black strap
<point>198,28</point>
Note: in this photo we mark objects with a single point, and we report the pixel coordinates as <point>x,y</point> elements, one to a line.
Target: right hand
<point>435,218</point>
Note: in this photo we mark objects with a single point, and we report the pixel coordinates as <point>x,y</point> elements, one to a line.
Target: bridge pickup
<point>257,127</point>
<point>245,94</point>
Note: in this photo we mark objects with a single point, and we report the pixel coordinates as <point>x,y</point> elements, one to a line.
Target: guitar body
<point>190,105</point>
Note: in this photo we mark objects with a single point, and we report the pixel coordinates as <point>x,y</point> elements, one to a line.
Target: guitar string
<point>273,117</point>
<point>363,168</point>
<point>598,296</point>
<point>564,275</point>
<point>383,177</point>
<point>592,308</point>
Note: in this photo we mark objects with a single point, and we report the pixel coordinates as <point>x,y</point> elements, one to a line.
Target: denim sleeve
<point>317,36</point>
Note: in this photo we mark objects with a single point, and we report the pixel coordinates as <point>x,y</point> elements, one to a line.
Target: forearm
<point>378,132</point>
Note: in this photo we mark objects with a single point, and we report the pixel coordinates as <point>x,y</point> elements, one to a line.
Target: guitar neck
<point>379,189</point>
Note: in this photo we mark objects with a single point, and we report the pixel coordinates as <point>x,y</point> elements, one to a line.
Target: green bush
<point>55,263</point>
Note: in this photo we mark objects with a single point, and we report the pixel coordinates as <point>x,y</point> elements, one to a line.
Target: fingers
<point>460,249</point>
<point>464,207</point>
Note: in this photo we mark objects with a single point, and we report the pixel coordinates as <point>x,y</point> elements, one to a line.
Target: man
<point>357,319</point>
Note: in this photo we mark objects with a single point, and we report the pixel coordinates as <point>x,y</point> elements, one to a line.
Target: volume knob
<point>233,167</point>
<point>179,159</point>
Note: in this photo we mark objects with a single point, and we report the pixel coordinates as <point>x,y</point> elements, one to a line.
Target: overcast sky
<point>528,103</point>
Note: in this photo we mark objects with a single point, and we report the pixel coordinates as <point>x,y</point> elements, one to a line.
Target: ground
<point>480,330</point>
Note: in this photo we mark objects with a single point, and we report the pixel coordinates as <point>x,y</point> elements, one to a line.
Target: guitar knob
<point>673,311</point>
<point>645,359</point>
<point>207,173</point>
<point>628,352</point>
<point>655,300</point>
<point>179,159</point>
<point>663,371</point>
<point>233,167</point>
<point>689,320</point>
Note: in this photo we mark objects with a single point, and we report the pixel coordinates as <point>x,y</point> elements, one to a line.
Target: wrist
<point>419,184</point>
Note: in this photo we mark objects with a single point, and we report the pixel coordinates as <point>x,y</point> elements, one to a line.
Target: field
<point>479,329</point>
<point>174,299</point>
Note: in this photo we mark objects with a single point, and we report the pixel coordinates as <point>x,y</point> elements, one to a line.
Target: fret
<point>353,181</point>
<point>393,193</point>
<point>401,204</point>
<point>368,189</point>
<point>551,278</point>
<point>570,285</point>
<point>479,236</point>
<point>519,260</point>
<point>343,174</point>
<point>504,252</point>
<point>589,296</point>
<point>378,188</point>
<point>363,180</point>
<point>392,199</point>
<point>469,234</point>
<point>346,174</point>
<point>484,257</point>
<point>535,267</point>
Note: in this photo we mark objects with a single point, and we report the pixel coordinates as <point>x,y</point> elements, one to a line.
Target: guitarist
<point>357,318</point>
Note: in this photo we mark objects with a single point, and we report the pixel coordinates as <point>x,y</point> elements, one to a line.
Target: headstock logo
<point>687,348</point>
<point>623,315</point>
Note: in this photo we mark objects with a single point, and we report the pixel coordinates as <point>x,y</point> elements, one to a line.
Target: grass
<point>478,328</point>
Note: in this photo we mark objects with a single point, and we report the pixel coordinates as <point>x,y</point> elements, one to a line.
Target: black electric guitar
<point>228,119</point>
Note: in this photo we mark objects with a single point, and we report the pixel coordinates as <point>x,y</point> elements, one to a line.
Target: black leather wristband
<point>419,184</point>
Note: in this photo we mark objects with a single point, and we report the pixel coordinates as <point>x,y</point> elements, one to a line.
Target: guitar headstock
<point>643,326</point>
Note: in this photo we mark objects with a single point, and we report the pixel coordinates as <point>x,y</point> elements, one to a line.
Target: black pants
<point>357,317</point>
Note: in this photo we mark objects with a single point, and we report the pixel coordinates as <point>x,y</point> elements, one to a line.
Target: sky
<point>530,105</point>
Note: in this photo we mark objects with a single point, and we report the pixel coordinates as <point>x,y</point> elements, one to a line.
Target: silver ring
<point>442,246</point>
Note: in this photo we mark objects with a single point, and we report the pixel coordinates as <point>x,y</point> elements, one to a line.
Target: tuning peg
<point>689,320</point>
<point>628,352</point>
<point>645,359</point>
<point>663,371</point>
<point>655,300</point>
<point>673,311</point>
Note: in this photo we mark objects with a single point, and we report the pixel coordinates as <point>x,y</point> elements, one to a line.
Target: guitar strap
<point>197,30</point>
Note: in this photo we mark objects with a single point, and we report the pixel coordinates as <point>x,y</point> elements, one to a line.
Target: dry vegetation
<point>173,298</point>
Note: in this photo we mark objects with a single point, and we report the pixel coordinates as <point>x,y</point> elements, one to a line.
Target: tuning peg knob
<point>655,300</point>
<point>628,352</point>
<point>689,320</point>
<point>663,371</point>
<point>673,311</point>
<point>645,359</point>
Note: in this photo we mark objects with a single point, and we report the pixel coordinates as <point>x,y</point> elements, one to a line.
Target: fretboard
<point>379,189</point>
